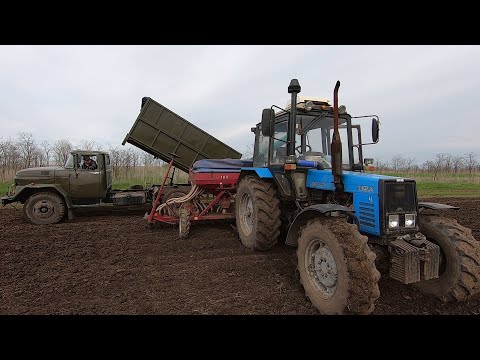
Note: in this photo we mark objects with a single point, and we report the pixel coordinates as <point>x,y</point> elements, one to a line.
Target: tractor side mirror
<point>375,130</point>
<point>268,119</point>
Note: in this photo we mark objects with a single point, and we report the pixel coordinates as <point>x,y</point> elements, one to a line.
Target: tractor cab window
<point>279,149</point>
<point>344,137</point>
<point>260,156</point>
<point>315,147</point>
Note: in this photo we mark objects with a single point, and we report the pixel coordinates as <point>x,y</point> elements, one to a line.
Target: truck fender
<point>313,212</point>
<point>58,189</point>
<point>435,206</point>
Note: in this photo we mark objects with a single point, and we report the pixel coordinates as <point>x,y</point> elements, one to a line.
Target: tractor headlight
<point>393,221</point>
<point>409,220</point>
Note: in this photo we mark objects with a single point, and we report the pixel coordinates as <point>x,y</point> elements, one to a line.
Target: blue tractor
<point>344,220</point>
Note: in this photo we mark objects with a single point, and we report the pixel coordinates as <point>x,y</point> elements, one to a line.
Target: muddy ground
<point>103,263</point>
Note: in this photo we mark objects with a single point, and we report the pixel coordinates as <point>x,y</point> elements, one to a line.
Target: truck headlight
<point>409,220</point>
<point>393,221</point>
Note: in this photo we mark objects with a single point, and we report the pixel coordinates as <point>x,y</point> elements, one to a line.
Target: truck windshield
<point>70,161</point>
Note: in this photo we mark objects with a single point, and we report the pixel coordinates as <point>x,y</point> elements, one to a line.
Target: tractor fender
<point>312,212</point>
<point>262,173</point>
<point>435,206</point>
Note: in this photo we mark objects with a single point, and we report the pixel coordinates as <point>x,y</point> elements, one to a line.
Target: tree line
<point>440,164</point>
<point>25,151</point>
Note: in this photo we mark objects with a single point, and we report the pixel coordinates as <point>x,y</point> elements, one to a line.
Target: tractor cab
<point>314,129</point>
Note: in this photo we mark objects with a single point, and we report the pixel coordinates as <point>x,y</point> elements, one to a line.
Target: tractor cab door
<point>260,150</point>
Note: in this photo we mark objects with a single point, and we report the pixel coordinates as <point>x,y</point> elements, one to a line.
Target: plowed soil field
<point>111,263</point>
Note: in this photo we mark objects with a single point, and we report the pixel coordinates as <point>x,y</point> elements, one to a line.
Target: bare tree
<point>89,145</point>
<point>26,147</point>
<point>457,162</point>
<point>410,164</point>
<point>47,150</point>
<point>147,159</point>
<point>471,162</point>
<point>115,160</point>
<point>135,156</point>
<point>9,159</point>
<point>438,164</point>
<point>61,149</point>
<point>380,165</point>
<point>398,162</point>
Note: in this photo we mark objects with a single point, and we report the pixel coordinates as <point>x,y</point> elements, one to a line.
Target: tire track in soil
<point>111,263</point>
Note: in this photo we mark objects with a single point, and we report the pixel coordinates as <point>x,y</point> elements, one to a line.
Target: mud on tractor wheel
<point>337,268</point>
<point>459,275</point>
<point>44,208</point>
<point>257,214</point>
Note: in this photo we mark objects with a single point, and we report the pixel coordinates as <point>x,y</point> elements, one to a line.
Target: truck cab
<point>50,193</point>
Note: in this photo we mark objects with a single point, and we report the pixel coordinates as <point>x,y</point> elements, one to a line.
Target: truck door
<point>86,181</point>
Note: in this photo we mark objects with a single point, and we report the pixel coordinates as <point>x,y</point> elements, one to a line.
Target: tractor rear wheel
<point>459,275</point>
<point>44,208</point>
<point>257,213</point>
<point>337,268</point>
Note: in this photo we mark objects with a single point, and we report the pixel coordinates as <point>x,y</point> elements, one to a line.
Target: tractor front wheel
<point>459,275</point>
<point>337,268</point>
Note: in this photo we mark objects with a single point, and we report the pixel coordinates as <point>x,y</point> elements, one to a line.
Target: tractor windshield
<point>313,138</point>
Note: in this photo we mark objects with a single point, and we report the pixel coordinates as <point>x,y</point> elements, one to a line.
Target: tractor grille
<point>366,214</point>
<point>400,197</point>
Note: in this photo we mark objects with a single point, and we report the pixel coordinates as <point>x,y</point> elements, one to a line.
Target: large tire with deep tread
<point>459,276</point>
<point>184,223</point>
<point>352,283</point>
<point>257,213</point>
<point>44,208</point>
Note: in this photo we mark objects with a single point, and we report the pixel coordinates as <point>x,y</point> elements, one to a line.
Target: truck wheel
<point>184,223</point>
<point>257,214</point>
<point>44,208</point>
<point>459,273</point>
<point>337,268</point>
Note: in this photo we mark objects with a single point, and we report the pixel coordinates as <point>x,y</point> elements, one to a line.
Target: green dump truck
<point>50,194</point>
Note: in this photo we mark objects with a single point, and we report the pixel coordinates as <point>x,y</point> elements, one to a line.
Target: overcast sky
<point>426,96</point>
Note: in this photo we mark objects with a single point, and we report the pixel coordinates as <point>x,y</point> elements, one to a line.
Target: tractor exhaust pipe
<point>294,88</point>
<point>336,148</point>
